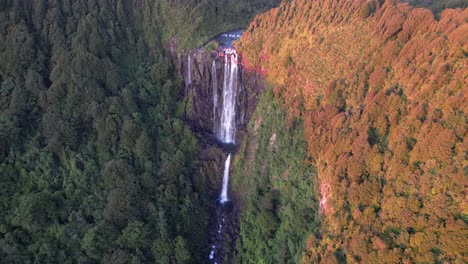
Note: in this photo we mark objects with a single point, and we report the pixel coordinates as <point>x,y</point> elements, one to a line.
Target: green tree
<point>134,236</point>
<point>182,255</point>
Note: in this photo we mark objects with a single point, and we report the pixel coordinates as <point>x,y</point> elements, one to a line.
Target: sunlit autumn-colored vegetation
<point>381,88</point>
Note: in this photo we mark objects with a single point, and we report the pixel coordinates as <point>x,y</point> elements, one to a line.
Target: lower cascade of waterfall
<point>224,192</point>
<point>189,71</point>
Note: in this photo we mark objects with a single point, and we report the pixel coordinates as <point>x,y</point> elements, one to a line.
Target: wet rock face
<point>199,90</point>
<point>209,78</point>
<point>207,177</point>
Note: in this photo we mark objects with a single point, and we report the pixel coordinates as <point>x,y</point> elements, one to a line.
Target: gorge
<point>151,131</point>
<point>335,105</point>
<point>228,104</point>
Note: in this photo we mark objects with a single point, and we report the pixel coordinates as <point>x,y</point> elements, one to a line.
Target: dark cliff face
<point>204,77</point>
<point>199,90</point>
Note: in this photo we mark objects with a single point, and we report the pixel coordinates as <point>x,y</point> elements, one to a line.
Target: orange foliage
<point>382,91</point>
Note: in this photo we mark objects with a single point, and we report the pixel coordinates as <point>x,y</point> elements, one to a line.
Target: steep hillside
<point>438,6</point>
<point>276,186</point>
<point>95,160</point>
<point>381,89</point>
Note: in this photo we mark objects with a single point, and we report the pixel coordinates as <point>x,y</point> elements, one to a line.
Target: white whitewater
<point>227,129</point>
<point>189,71</point>
<point>224,192</point>
<point>214,81</point>
<point>227,125</point>
<point>224,128</point>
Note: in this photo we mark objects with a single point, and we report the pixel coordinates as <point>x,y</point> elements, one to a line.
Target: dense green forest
<point>277,184</point>
<point>95,157</point>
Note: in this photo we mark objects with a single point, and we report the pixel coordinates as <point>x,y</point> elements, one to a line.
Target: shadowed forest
<point>95,157</point>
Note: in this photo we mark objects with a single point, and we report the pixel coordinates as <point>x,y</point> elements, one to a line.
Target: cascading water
<point>227,126</point>
<point>224,127</point>
<point>224,192</point>
<point>228,111</point>
<point>189,71</point>
<point>214,79</point>
<point>227,95</point>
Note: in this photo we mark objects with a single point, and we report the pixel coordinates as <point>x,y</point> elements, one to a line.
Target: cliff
<point>199,89</point>
<point>203,76</point>
<point>381,90</point>
<point>219,98</point>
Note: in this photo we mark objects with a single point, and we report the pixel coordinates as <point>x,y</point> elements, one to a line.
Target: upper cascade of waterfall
<point>230,55</point>
<point>214,82</point>
<point>226,129</point>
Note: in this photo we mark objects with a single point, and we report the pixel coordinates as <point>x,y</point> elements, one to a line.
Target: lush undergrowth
<point>277,188</point>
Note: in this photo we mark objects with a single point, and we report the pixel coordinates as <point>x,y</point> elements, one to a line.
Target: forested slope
<point>438,6</point>
<point>95,158</point>
<point>276,184</point>
<point>381,90</point>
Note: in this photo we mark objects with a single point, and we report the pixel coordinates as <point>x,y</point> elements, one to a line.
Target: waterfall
<point>224,128</point>
<point>224,192</point>
<point>214,79</point>
<point>189,71</point>
<point>227,130</point>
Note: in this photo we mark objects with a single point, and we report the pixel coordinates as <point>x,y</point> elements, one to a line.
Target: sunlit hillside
<point>381,88</point>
